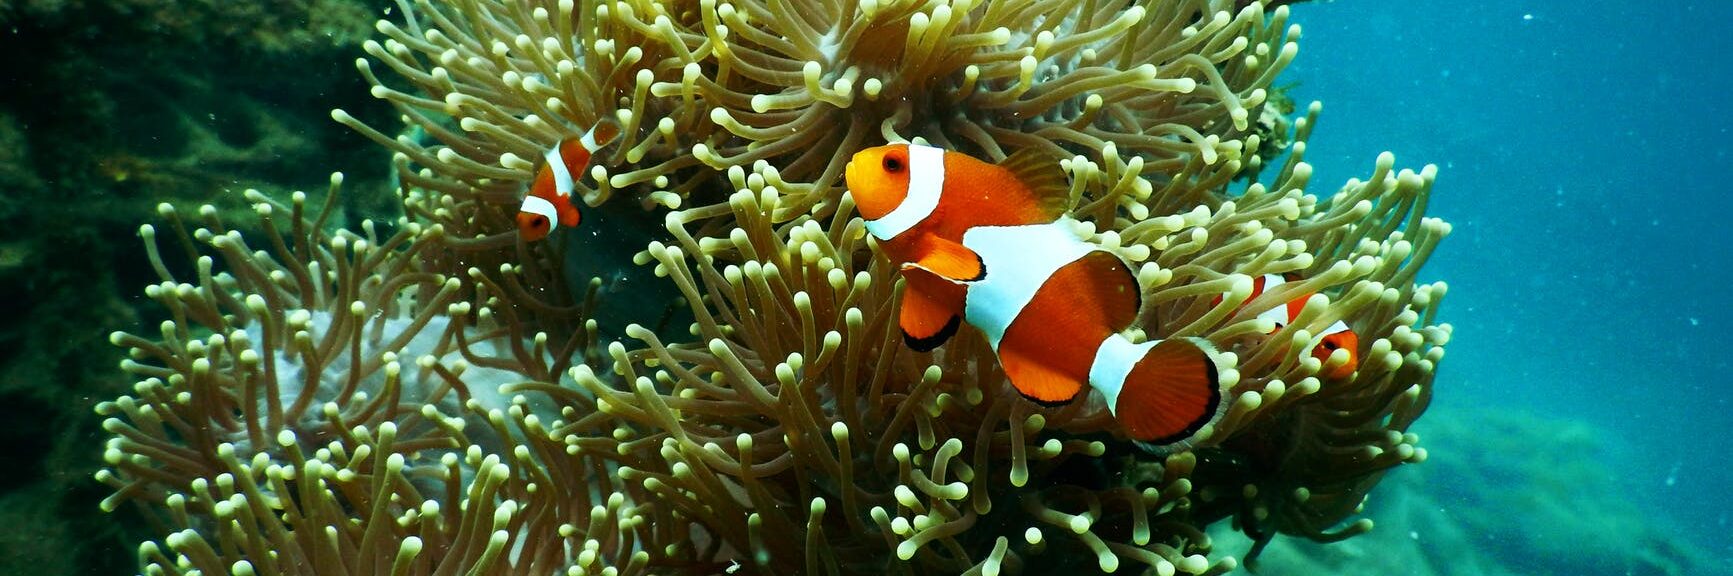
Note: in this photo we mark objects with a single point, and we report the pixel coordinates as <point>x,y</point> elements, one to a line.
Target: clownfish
<point>550,196</point>
<point>1337,336</point>
<point>990,245</point>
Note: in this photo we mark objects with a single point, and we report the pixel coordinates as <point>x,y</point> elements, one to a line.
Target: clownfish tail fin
<point>1165,392</point>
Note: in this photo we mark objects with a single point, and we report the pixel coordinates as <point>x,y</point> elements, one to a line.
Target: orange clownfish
<point>550,196</point>
<point>990,245</point>
<point>1337,336</point>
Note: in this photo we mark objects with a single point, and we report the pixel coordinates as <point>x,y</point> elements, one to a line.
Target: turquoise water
<point>1584,151</point>
<point>1581,416</point>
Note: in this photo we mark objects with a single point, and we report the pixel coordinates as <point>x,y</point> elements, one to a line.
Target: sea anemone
<point>786,429</point>
<point>336,377</point>
<point>702,87</point>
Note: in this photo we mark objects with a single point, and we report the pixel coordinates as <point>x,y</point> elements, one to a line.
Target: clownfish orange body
<point>990,245</point>
<point>551,195</point>
<point>1337,336</point>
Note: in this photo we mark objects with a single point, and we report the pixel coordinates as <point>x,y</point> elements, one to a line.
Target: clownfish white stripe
<point>1281,314</point>
<point>589,141</point>
<point>926,182</point>
<point>536,205</point>
<point>1276,314</point>
<point>1018,261</point>
<point>1335,328</point>
<point>1112,365</point>
<point>562,175</point>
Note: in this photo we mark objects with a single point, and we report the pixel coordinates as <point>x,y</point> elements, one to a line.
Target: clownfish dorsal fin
<point>932,308</point>
<point>1039,171</point>
<point>1111,282</point>
<point>952,260</point>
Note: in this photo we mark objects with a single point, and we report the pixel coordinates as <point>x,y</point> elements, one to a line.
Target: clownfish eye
<point>1328,345</point>
<point>540,222</point>
<point>893,164</point>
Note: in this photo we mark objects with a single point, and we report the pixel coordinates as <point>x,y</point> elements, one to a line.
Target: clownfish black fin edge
<point>1209,416</point>
<point>1172,354</point>
<point>931,308</point>
<point>929,343</point>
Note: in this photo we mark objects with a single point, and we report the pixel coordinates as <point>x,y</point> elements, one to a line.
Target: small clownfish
<point>991,245</point>
<point>1337,336</point>
<point>550,196</point>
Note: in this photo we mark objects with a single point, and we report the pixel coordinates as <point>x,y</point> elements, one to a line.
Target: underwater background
<point>1580,420</point>
<point>1582,150</point>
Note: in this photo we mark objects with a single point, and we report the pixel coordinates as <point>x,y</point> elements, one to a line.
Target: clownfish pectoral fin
<point>932,308</point>
<point>1039,171</point>
<point>1171,391</point>
<point>953,261</point>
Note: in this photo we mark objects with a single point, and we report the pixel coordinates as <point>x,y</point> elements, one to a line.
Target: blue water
<point>1584,160</point>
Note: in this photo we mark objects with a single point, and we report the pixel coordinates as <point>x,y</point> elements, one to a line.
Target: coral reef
<point>1459,514</point>
<point>446,397</point>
